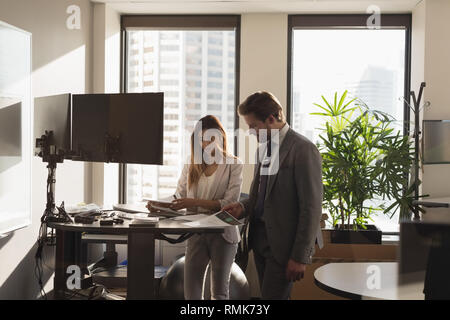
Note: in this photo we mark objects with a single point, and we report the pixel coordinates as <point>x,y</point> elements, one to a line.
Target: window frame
<point>351,21</point>
<point>176,22</point>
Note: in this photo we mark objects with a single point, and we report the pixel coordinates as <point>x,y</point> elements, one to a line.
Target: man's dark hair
<point>262,104</point>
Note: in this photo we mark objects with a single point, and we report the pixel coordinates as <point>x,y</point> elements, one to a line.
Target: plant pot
<point>371,235</point>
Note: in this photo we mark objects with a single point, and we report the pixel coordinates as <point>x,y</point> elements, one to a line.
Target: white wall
<point>61,63</point>
<point>106,79</point>
<point>431,64</point>
<point>263,63</point>
<point>418,46</point>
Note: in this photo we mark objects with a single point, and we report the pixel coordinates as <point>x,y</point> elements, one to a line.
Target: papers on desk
<point>82,208</point>
<point>190,218</point>
<point>144,220</point>
<point>218,219</point>
<point>166,209</point>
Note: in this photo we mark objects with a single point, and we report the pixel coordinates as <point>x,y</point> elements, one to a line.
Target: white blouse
<point>224,186</point>
<point>204,187</point>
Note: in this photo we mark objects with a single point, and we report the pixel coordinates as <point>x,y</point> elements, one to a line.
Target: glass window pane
<point>195,71</point>
<point>370,64</point>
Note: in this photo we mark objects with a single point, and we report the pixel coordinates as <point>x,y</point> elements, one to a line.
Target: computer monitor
<point>121,128</point>
<point>436,141</point>
<point>425,256</point>
<point>53,113</point>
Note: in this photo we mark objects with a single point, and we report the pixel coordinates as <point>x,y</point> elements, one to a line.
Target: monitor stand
<point>52,213</point>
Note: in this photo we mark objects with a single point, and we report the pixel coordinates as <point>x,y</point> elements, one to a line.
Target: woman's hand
<point>183,203</point>
<point>150,208</point>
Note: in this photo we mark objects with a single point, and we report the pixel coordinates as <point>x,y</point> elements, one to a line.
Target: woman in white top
<point>211,180</point>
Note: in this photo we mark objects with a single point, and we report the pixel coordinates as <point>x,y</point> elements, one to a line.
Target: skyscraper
<point>196,72</point>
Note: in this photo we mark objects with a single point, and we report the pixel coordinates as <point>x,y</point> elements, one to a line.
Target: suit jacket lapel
<point>283,152</point>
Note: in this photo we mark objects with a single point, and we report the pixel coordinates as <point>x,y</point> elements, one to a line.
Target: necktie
<point>259,208</point>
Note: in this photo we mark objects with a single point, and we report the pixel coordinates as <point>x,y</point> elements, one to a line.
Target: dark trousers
<point>271,275</point>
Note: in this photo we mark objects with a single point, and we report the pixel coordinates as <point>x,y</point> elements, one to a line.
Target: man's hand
<point>295,270</point>
<point>235,209</point>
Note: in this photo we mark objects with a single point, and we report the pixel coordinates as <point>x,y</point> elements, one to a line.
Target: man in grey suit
<point>285,203</point>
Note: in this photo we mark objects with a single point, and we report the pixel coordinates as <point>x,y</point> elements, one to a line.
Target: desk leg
<point>68,245</point>
<point>141,264</point>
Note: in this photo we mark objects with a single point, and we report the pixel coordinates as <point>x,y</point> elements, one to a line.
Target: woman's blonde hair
<point>197,165</point>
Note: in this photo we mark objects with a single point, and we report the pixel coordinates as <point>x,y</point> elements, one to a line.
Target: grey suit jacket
<point>293,201</point>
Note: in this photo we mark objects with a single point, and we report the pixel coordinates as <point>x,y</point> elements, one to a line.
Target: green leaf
<point>364,157</point>
<point>344,95</point>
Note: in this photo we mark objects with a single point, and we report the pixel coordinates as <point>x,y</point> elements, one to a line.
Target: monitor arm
<point>52,156</point>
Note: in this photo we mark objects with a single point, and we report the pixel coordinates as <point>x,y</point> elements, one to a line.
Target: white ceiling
<point>257,6</point>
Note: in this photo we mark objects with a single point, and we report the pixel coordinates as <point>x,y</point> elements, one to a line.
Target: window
<point>190,62</point>
<point>334,53</point>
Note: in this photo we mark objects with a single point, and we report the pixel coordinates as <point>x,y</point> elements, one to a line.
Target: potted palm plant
<point>366,164</point>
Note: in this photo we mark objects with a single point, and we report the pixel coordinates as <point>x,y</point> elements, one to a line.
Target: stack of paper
<point>144,219</point>
<point>82,208</point>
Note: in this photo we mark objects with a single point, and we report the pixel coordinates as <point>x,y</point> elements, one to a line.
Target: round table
<point>366,281</point>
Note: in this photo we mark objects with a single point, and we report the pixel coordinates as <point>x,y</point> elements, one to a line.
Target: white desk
<point>353,281</point>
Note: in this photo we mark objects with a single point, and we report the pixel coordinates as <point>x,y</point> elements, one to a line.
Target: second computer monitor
<point>121,128</point>
<point>53,113</point>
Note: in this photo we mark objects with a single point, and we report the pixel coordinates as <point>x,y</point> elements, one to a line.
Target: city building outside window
<point>196,70</point>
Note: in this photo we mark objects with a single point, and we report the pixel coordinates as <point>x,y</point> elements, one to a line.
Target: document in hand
<point>218,219</point>
<point>164,206</point>
<point>160,202</point>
